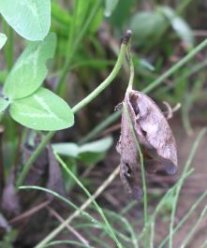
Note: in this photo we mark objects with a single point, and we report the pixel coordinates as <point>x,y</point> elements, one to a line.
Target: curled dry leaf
<point>144,122</point>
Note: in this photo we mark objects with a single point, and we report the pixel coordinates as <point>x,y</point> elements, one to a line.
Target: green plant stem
<point>177,66</point>
<point>75,109</point>
<point>105,83</point>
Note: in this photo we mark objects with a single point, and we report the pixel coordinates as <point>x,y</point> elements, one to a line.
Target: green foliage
<point>120,15</point>
<point>150,26</point>
<point>30,69</point>
<point>42,110</point>
<point>110,6</point>
<point>8,239</point>
<point>147,27</point>
<point>88,153</point>
<point>30,105</point>
<point>29,18</point>
<point>180,26</point>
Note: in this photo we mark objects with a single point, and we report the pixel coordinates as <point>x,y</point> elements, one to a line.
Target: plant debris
<point>143,122</point>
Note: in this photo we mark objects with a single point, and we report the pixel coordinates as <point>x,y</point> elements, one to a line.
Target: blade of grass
<point>176,187</point>
<point>91,199</point>
<point>63,199</point>
<point>176,67</point>
<point>161,203</point>
<point>66,242</point>
<point>128,207</point>
<point>180,184</point>
<point>185,218</point>
<point>185,174</point>
<point>99,210</point>
<point>193,229</point>
<point>127,225</point>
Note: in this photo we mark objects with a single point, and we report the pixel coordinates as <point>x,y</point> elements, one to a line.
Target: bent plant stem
<point>114,72</point>
<point>75,109</point>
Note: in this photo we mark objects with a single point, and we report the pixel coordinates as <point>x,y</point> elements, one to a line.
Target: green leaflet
<point>30,19</point>
<point>42,111</point>
<point>89,153</point>
<point>30,69</point>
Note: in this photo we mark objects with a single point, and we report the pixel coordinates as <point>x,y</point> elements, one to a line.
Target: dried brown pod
<point>143,122</point>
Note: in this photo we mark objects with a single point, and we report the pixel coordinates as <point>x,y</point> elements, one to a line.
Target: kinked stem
<point>77,107</point>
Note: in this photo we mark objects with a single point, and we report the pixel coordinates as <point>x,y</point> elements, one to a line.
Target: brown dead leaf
<point>55,179</point>
<point>152,131</point>
<point>10,201</point>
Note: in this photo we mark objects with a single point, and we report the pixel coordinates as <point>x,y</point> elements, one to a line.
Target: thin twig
<point>70,228</point>
<point>30,212</point>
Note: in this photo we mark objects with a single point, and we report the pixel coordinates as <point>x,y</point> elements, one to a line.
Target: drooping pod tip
<point>127,36</point>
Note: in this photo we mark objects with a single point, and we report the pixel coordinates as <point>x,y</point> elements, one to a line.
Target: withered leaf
<point>10,201</point>
<point>46,170</point>
<point>55,180</point>
<point>145,122</point>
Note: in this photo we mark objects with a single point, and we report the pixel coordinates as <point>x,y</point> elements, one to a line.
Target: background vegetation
<point>60,188</point>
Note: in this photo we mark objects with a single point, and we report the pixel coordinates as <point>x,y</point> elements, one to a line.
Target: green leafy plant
<point>155,25</point>
<point>30,19</point>
<point>72,65</point>
<point>30,104</point>
<point>88,153</point>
